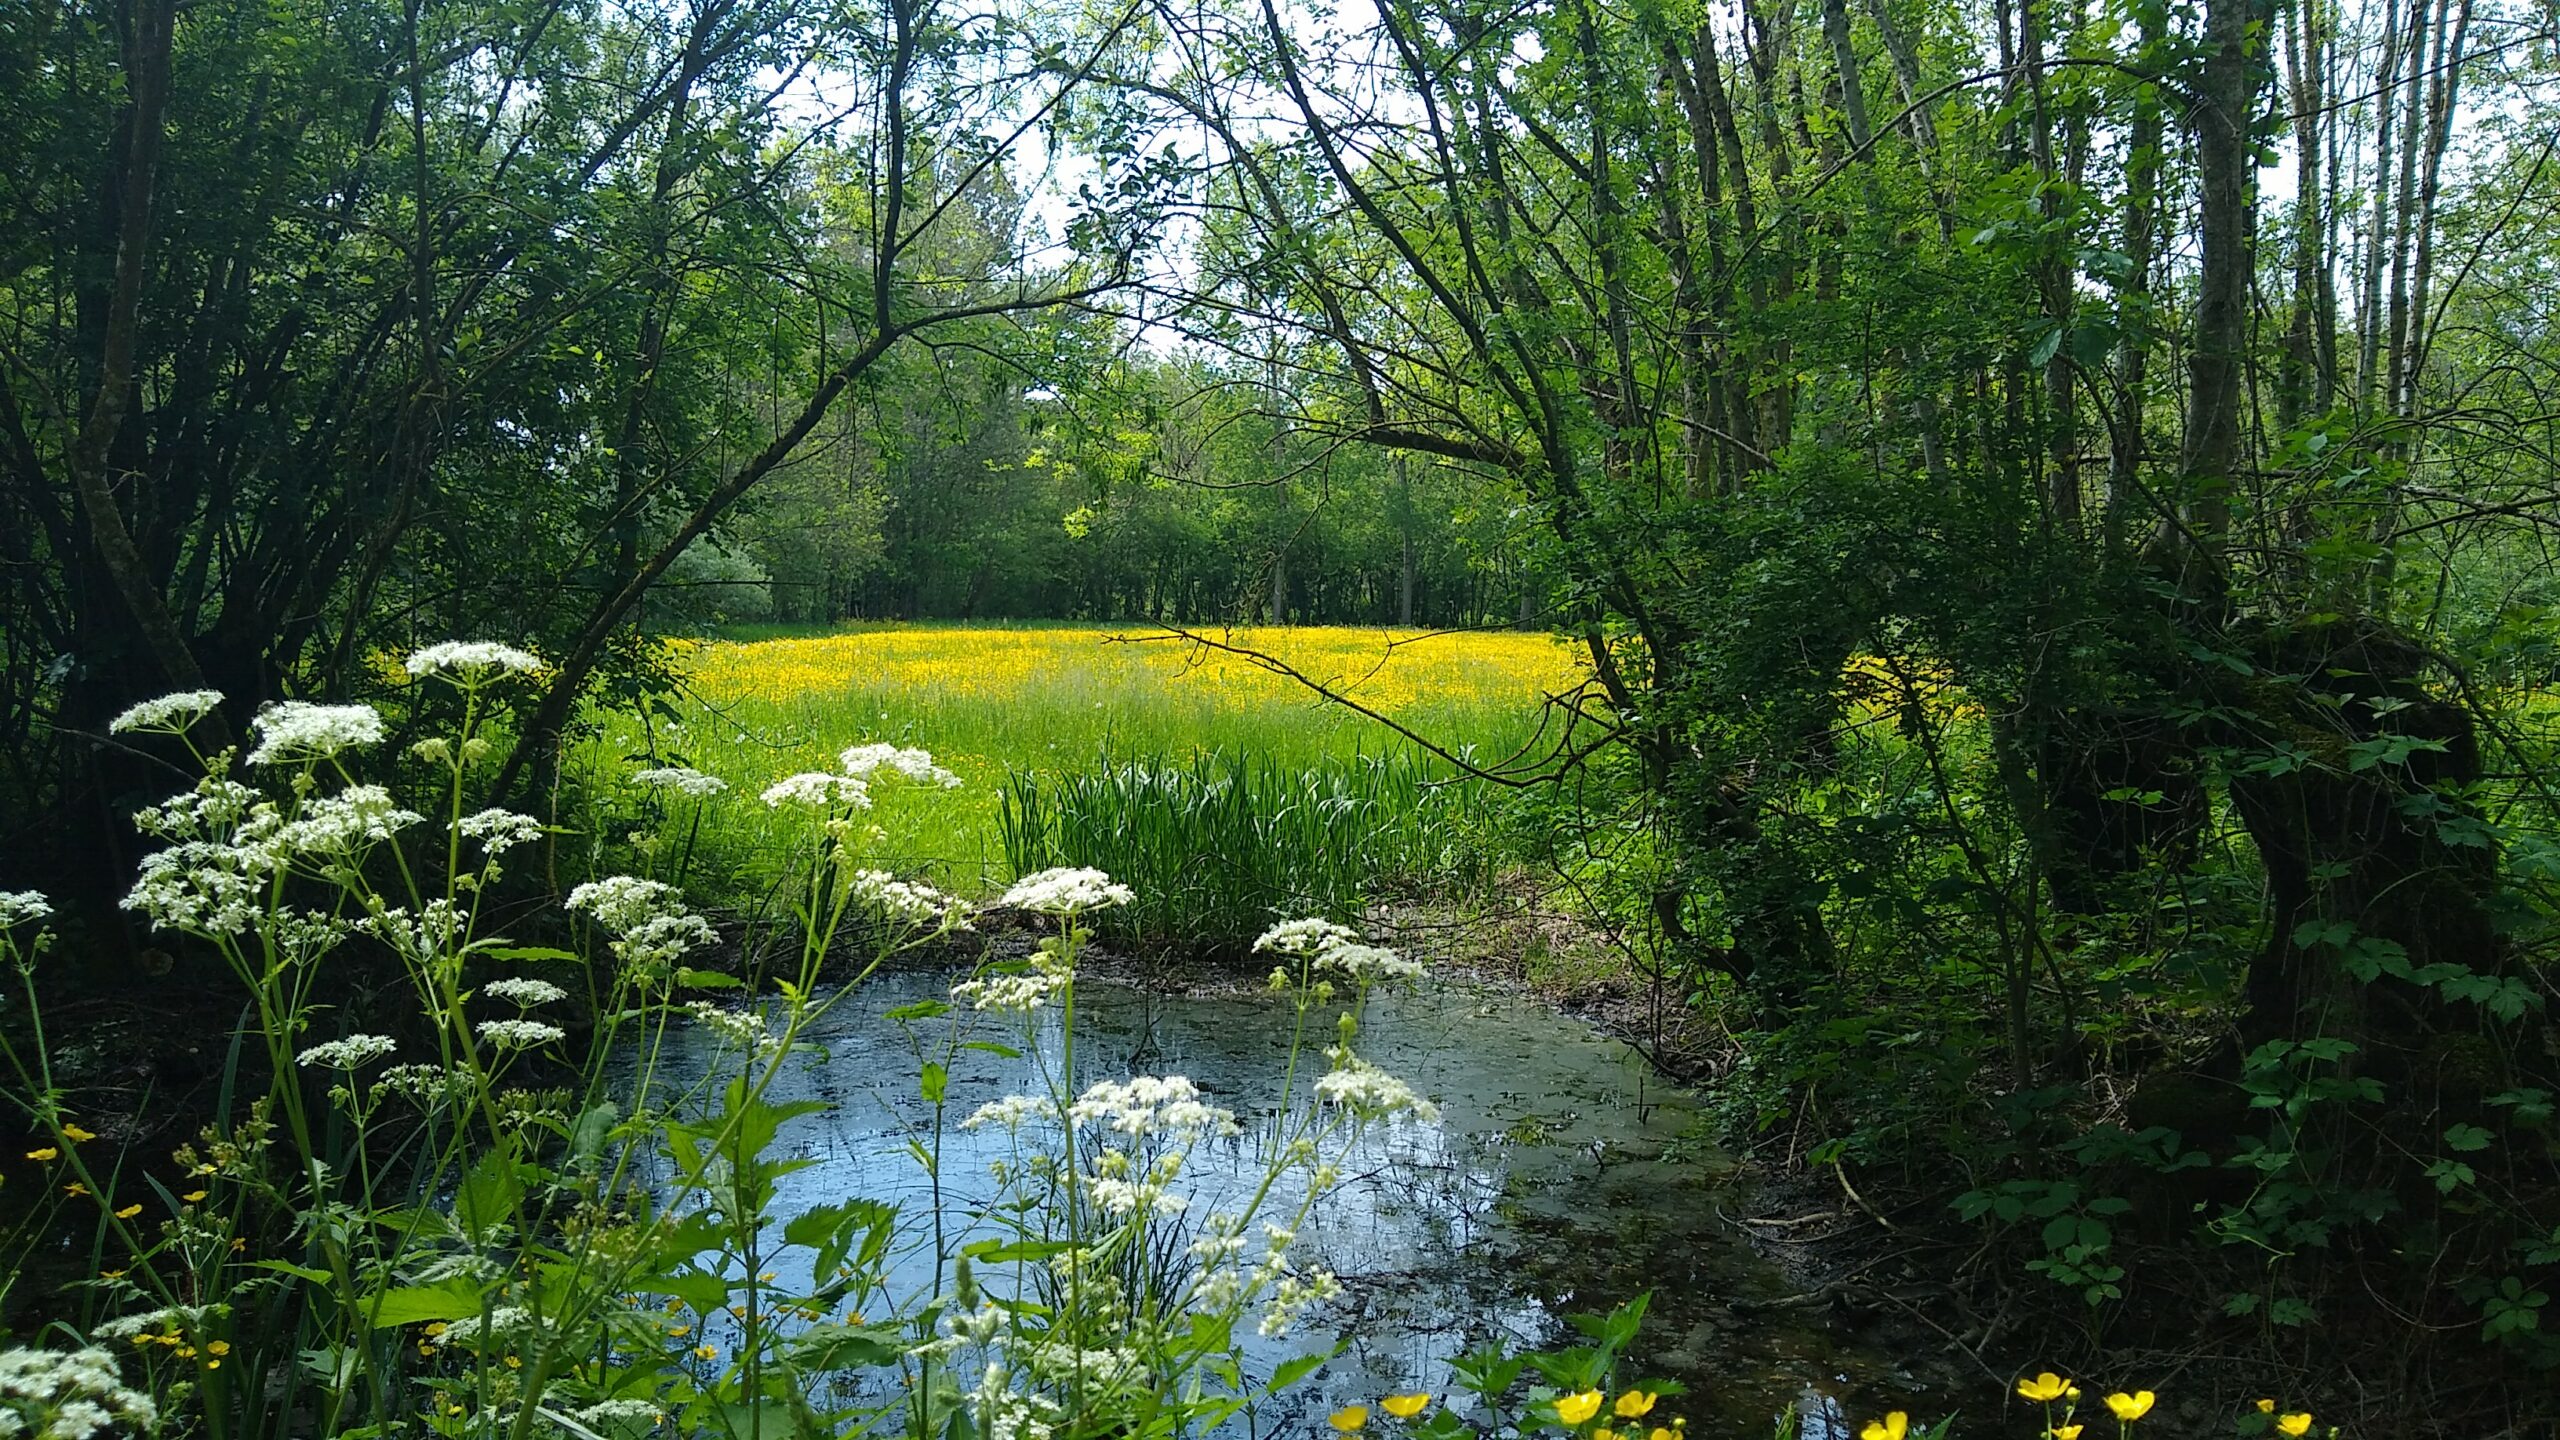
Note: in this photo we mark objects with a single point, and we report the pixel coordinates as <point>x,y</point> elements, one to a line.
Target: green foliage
<point>1221,844</point>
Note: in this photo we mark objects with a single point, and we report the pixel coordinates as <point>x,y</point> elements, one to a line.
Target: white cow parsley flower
<point>523,992</point>
<point>908,900</point>
<point>1066,890</point>
<point>500,831</point>
<point>518,1034</point>
<point>818,790</point>
<point>345,823</point>
<point>17,907</point>
<point>1151,1104</point>
<point>1012,1112</point>
<point>71,1395</point>
<point>683,779</point>
<point>1372,1093</point>
<point>300,730</point>
<point>1302,937</point>
<point>167,715</point>
<point>864,761</point>
<point>1013,994</point>
<point>348,1053</point>
<point>472,659</point>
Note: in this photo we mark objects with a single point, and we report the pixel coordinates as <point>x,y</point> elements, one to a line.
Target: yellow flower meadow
<point>1385,670</point>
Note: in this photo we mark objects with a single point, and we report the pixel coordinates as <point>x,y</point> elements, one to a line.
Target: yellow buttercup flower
<point>75,1188</point>
<point>707,1352</point>
<point>1576,1408</point>
<point>2129,1408</point>
<point>44,1152</point>
<point>1349,1418</point>
<point>2296,1424</point>
<point>2266,1407</point>
<point>2045,1388</point>
<point>1605,1433</point>
<point>1892,1427</point>
<point>76,1135</point>
<point>192,1196</point>
<point>128,1212</point>
<point>1405,1407</point>
<point>218,1347</point>
<point>2064,1432</point>
<point>1661,1433</point>
<point>1635,1403</point>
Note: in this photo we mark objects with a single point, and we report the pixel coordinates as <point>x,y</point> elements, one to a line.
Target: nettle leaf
<point>420,1304</point>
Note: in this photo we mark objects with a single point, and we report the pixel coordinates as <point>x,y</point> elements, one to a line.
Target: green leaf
<point>693,979</point>
<point>528,952</point>
<point>934,1082</point>
<point>2467,1138</point>
<point>418,1304</point>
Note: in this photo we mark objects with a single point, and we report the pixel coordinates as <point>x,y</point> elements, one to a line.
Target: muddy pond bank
<point>1562,1177</point>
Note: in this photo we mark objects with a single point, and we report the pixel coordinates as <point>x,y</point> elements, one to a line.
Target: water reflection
<point>1561,1178</point>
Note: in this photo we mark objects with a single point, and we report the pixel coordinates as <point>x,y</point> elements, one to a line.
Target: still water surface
<point>1562,1178</point>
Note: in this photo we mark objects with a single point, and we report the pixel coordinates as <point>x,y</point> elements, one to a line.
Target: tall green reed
<point>1219,845</point>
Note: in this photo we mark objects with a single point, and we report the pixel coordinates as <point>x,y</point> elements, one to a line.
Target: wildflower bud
<point>1324,993</point>
<point>964,1284</point>
<point>434,751</point>
<point>474,750</point>
<point>1349,1025</point>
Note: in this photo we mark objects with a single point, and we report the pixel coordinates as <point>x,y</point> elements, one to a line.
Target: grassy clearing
<point>1047,703</point>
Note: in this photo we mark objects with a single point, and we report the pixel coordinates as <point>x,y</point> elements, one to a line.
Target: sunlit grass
<point>1051,700</point>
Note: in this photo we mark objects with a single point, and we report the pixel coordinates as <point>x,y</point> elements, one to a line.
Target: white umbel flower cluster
<point>500,831</point>
<point>167,715</point>
<point>1327,946</point>
<point>293,730</point>
<point>58,1395</point>
<point>1371,1093</point>
<point>349,1053</point>
<point>910,901</point>
<point>683,779</point>
<point>818,790</point>
<point>472,659</point>
<point>1302,938</point>
<point>865,761</point>
<point>1066,890</point>
<point>652,929</point>
<point>345,824</point>
<point>523,992</point>
<point>1012,1112</point>
<point>1012,994</point>
<point>1146,1105</point>
<point>518,1034</point>
<point>19,907</point>
<point>737,1029</point>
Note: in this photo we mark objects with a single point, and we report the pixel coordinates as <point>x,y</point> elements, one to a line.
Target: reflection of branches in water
<point>1516,769</point>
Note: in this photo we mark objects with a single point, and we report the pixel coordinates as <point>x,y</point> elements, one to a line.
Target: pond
<point>1562,1177</point>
